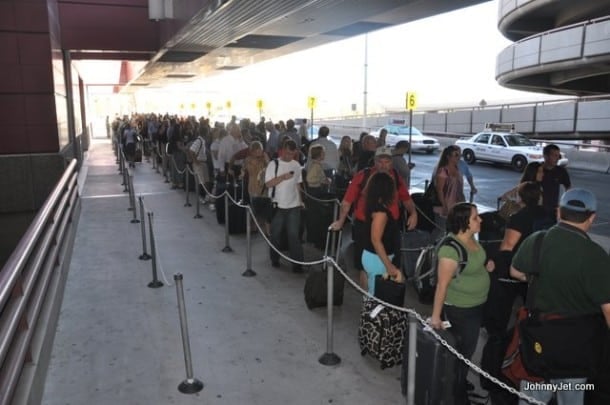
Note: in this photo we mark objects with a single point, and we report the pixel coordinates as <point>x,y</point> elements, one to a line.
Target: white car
<point>419,141</point>
<point>510,148</point>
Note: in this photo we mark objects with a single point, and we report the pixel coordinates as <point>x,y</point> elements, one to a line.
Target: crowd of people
<point>278,162</point>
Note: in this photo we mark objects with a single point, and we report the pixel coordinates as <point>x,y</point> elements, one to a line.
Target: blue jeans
<point>465,327</point>
<point>566,395</point>
<point>288,220</point>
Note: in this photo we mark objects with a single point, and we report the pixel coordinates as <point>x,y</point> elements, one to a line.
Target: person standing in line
<point>381,141</point>
<point>461,297</point>
<point>366,157</point>
<point>273,143</point>
<point>379,247</point>
<point>287,181</point>
<point>449,183</point>
<point>331,159</point>
<point>465,170</point>
<point>355,195</point>
<point>399,163</point>
<point>572,280</point>
<point>550,176</point>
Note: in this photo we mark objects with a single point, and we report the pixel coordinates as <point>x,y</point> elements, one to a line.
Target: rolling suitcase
<point>381,333</point>
<point>319,216</point>
<point>237,214</point>
<point>434,368</point>
<point>316,284</point>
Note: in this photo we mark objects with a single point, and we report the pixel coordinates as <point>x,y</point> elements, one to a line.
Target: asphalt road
<point>492,181</point>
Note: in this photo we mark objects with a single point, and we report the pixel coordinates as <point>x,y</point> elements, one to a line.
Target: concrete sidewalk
<point>253,340</point>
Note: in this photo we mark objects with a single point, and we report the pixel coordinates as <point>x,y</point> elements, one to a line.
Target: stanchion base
<point>135,221</point>
<point>329,359</point>
<point>145,256</point>
<point>198,216</point>
<point>249,273</point>
<point>155,284</point>
<point>190,386</point>
<point>227,249</point>
<point>188,204</point>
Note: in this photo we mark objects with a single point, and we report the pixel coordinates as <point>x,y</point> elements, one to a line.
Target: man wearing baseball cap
<point>355,194</point>
<point>573,280</point>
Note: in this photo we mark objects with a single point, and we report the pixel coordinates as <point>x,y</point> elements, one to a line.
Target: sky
<point>447,60</point>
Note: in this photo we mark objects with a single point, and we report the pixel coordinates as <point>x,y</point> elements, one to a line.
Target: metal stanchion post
<point>120,158</point>
<point>412,354</point>
<point>144,255</point>
<point>191,385</point>
<point>132,200</point>
<point>187,185</point>
<point>166,168</point>
<point>155,283</point>
<point>227,247</point>
<point>329,358</point>
<point>249,272</point>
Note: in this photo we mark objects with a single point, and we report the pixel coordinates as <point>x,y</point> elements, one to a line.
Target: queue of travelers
<point>573,279</point>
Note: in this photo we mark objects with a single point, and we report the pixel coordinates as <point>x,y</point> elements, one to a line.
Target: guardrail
<point>31,289</point>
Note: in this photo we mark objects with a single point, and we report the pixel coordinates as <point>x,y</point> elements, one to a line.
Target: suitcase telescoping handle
<point>337,243</point>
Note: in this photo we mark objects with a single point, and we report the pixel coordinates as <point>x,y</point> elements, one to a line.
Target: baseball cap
<point>578,199</point>
<point>383,151</point>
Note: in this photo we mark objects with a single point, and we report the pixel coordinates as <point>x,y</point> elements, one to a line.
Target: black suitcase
<point>434,368</point>
<point>411,245</point>
<point>316,283</point>
<point>381,333</point>
<point>425,212</point>
<point>237,214</point>
<point>318,217</point>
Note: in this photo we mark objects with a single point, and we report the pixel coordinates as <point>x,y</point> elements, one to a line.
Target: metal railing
<point>31,283</point>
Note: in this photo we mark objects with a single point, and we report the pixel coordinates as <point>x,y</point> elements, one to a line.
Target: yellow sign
<point>311,103</point>
<point>228,105</point>
<point>411,101</point>
<point>208,105</point>
<point>259,104</point>
<point>182,106</point>
<point>193,106</point>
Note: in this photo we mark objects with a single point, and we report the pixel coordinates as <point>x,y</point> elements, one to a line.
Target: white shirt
<point>198,147</point>
<point>214,148</point>
<point>287,192</point>
<point>228,147</point>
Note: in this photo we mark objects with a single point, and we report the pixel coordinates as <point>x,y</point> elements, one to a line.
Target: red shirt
<point>354,194</point>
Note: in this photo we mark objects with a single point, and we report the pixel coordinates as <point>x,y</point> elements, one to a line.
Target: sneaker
<point>275,263</point>
<point>202,201</point>
<point>212,207</point>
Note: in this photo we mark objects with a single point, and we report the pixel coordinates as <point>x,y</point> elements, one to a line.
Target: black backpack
<point>425,277</point>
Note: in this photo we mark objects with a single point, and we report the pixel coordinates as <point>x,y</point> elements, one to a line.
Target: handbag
<point>512,365</point>
<point>560,347</point>
<point>389,290</point>
<point>431,194</point>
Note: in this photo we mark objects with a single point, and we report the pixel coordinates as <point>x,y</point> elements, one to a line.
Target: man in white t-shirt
<point>284,187</point>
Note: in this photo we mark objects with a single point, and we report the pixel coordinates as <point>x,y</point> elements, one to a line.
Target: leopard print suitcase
<point>381,333</point>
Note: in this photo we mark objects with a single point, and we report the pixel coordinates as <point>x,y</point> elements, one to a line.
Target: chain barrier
<point>354,284</point>
<point>311,197</point>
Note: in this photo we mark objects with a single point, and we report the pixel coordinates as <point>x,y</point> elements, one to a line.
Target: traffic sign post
<point>259,105</point>
<point>311,104</point>
<point>411,104</point>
